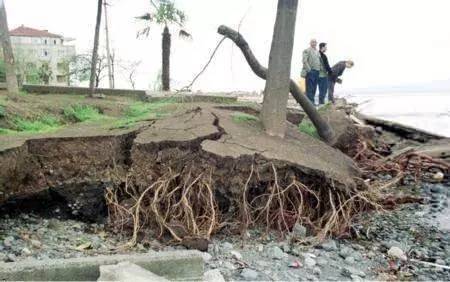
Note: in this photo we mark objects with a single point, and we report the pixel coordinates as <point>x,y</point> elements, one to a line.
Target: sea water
<point>427,111</point>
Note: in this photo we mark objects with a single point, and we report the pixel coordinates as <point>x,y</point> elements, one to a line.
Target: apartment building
<point>43,52</point>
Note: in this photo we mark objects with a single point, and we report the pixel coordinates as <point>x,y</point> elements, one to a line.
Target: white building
<point>34,48</point>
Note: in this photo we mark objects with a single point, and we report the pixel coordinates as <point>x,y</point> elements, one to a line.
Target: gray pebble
<point>276,253</point>
<point>249,274</point>
<point>329,246</point>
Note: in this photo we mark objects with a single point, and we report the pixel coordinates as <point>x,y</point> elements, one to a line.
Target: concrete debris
<point>127,272</point>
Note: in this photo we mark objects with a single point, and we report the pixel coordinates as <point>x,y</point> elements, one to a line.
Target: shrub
<point>45,123</point>
<point>81,113</point>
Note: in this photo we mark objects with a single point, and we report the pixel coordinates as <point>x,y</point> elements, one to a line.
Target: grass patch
<point>243,117</point>
<point>325,107</point>
<point>308,128</point>
<point>140,111</point>
<point>5,131</point>
<point>43,124</point>
<point>81,113</point>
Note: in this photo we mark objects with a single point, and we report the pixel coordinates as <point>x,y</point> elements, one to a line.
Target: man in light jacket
<point>311,68</point>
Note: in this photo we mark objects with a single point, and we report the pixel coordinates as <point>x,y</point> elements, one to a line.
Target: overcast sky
<point>393,42</point>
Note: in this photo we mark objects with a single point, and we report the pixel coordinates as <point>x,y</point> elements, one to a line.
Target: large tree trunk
<point>276,92</point>
<point>10,68</point>
<point>323,128</point>
<point>94,59</point>
<point>166,59</point>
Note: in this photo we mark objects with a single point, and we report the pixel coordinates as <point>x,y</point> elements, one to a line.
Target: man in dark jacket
<point>324,73</point>
<point>337,70</point>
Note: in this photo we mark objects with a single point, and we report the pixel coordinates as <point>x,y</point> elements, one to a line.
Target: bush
<point>81,113</point>
<point>140,111</point>
<point>308,128</point>
<point>45,123</point>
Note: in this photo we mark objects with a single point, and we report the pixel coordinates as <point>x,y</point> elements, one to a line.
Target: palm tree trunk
<point>276,92</point>
<point>94,59</point>
<point>166,59</point>
<point>10,69</point>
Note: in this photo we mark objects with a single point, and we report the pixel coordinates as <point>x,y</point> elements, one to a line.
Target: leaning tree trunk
<point>94,59</point>
<point>166,59</point>
<point>323,128</point>
<point>276,92</point>
<point>10,68</point>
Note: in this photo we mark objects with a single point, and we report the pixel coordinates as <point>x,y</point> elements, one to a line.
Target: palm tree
<point>276,92</point>
<point>10,69</point>
<point>165,14</point>
<point>94,60</point>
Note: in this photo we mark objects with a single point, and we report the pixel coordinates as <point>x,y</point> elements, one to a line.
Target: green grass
<point>82,113</point>
<point>325,107</point>
<point>42,124</point>
<point>308,128</point>
<point>140,111</point>
<point>242,117</point>
<point>5,131</point>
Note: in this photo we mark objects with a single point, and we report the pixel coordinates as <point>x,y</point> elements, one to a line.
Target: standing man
<point>311,68</point>
<point>324,74</point>
<point>337,70</point>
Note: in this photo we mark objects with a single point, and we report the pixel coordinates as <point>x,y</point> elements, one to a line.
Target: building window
<point>61,78</point>
<point>62,67</point>
<point>54,41</point>
<point>45,53</point>
<point>45,41</point>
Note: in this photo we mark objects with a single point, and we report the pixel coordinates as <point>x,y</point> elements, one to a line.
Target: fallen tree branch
<point>323,128</point>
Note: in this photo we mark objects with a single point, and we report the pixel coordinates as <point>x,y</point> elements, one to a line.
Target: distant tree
<point>8,56</point>
<point>80,69</point>
<point>92,81</point>
<point>165,14</point>
<point>29,71</point>
<point>2,71</point>
<point>130,70</point>
<point>276,93</point>
<point>45,73</point>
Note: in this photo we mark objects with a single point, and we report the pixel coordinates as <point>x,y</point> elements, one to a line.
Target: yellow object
<point>302,84</point>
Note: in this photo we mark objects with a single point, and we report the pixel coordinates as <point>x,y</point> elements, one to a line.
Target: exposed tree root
<point>183,205</point>
<point>371,160</point>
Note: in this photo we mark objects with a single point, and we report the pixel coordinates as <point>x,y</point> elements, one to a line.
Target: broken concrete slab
<point>213,275</point>
<point>176,265</point>
<point>297,149</point>
<point>402,130</point>
<point>127,272</point>
<point>347,132</point>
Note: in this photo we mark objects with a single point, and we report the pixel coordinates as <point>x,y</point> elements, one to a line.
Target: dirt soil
<point>198,146</point>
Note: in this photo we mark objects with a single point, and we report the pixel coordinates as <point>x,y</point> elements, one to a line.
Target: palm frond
<point>146,17</point>
<point>184,34</point>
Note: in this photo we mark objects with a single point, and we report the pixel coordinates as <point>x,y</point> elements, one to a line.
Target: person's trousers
<point>331,85</point>
<point>312,79</point>
<point>323,88</point>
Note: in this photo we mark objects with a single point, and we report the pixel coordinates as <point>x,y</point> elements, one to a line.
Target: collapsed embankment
<point>195,173</point>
